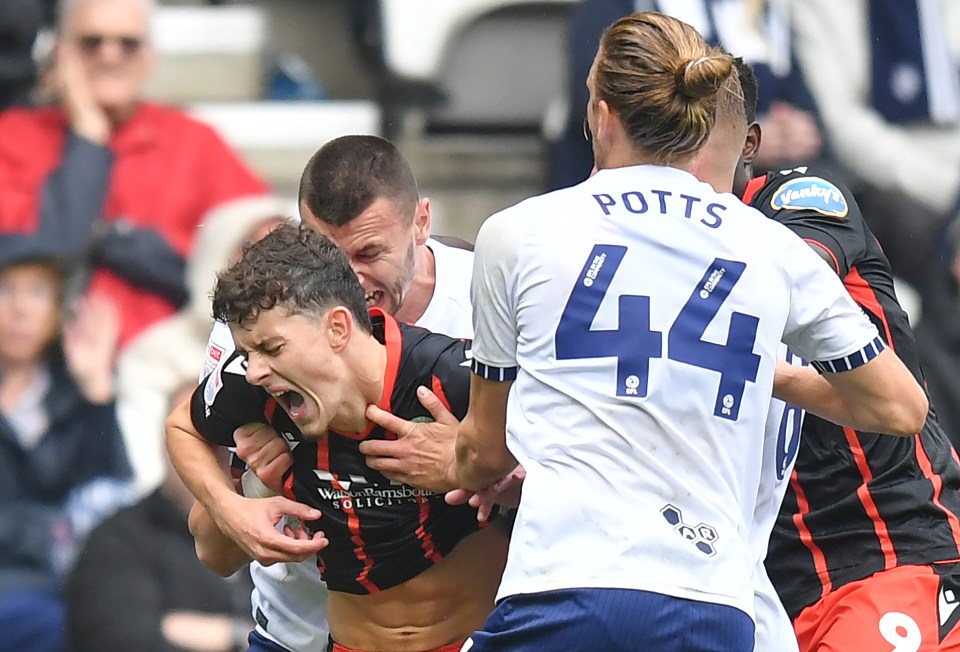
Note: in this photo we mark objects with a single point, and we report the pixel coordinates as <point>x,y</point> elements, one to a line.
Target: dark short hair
<point>750,88</point>
<point>349,173</point>
<point>292,267</point>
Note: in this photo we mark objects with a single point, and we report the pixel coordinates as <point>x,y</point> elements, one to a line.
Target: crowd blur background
<point>141,144</point>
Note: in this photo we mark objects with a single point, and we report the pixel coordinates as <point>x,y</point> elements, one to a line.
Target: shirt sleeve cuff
<point>852,361</point>
<point>490,372</point>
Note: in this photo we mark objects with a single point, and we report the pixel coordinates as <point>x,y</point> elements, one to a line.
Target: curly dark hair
<point>292,267</point>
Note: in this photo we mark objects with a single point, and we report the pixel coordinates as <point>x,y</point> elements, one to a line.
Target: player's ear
<point>606,120</point>
<point>339,327</point>
<point>421,221</point>
<point>751,145</point>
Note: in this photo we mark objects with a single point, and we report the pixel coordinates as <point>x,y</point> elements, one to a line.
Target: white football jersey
<point>780,446</point>
<point>289,600</point>
<point>640,314</point>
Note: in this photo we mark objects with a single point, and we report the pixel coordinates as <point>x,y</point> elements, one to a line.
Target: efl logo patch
<point>811,193</point>
<point>212,388</point>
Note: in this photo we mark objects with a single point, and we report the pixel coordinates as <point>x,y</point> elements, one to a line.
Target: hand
<point>423,454</point>
<point>504,492</point>
<point>251,524</point>
<point>89,344</point>
<point>86,117</point>
<point>789,134</point>
<point>265,453</point>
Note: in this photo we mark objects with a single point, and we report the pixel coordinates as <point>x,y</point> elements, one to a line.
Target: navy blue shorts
<point>260,643</point>
<point>611,620</point>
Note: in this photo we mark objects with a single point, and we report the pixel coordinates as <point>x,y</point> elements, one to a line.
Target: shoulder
<point>805,190</point>
<point>35,128</point>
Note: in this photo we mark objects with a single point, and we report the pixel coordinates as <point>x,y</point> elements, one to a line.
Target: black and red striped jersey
<point>381,533</point>
<point>857,502</point>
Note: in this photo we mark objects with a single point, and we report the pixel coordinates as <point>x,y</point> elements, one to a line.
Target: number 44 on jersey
<point>635,345</point>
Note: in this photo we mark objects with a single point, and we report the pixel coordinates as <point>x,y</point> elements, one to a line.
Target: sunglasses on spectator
<point>91,43</point>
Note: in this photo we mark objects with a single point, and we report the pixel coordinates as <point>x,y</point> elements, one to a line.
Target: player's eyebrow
<point>268,342</point>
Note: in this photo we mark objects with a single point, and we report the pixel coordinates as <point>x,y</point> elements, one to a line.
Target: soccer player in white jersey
<point>633,321</point>
<point>360,192</point>
<point>718,163</point>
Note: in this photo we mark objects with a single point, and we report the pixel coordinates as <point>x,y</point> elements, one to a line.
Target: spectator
<point>61,454</point>
<point>137,583</point>
<point>886,78</point>
<point>112,180</point>
<point>168,353</point>
<point>757,31</point>
<point>20,22</point>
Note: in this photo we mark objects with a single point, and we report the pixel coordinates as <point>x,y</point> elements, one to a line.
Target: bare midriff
<point>442,605</point>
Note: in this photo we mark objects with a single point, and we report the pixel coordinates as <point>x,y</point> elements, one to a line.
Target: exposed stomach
<point>442,605</point>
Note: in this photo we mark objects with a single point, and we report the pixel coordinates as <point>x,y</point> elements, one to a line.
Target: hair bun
<point>703,76</point>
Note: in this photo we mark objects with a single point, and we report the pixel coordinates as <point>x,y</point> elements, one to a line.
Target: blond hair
<point>662,81</point>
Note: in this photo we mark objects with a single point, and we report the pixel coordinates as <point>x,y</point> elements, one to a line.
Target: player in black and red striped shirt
<point>865,550</point>
<point>317,360</point>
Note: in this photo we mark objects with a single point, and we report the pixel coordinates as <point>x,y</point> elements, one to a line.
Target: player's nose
<point>257,370</point>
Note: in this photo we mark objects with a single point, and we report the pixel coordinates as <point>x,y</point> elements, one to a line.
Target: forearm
<point>807,389</point>
<point>880,396</point>
<point>73,195</point>
<point>479,466</point>
<point>145,258</point>
<point>196,463</point>
<point>215,550</point>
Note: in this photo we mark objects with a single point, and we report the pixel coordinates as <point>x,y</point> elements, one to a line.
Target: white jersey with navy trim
<point>780,446</point>
<point>288,600</point>
<point>640,313</point>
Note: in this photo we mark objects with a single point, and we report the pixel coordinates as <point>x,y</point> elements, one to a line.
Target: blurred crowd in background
<point>142,144</point>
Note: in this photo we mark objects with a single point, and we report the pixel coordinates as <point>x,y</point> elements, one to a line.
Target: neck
<point>15,378</point>
<point>623,154</point>
<point>369,358</point>
<point>116,117</point>
<point>420,292</point>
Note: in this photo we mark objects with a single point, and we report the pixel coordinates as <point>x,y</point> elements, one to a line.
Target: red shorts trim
<point>453,647</point>
<point>904,609</point>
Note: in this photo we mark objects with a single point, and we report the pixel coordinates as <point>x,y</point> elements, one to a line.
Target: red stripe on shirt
<point>806,537</point>
<point>836,264</point>
<point>753,186</point>
<point>861,292</point>
<point>866,499</point>
<point>359,545</point>
<point>426,540</point>
<point>927,467</point>
<point>269,409</point>
<point>323,453</point>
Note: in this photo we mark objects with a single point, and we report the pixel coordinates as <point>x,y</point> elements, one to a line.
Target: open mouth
<point>374,298</point>
<point>292,402</point>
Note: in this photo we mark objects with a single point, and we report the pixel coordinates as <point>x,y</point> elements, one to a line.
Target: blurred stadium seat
<point>474,65</point>
<point>195,44</point>
<point>277,138</point>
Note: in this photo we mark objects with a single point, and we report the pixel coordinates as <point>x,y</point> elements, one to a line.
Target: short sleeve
<point>493,294</point>
<point>825,215</point>
<point>824,325</point>
<point>451,376</point>
<point>224,401</point>
<point>219,346</point>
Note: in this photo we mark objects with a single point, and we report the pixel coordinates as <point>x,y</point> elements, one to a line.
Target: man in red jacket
<point>118,183</point>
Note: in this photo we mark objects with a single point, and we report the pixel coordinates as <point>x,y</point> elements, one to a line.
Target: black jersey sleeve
<point>820,210</point>
<point>224,401</point>
<point>439,362</point>
<point>451,376</point>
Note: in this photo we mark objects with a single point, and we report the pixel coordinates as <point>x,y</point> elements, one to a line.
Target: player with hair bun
<point>633,321</point>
